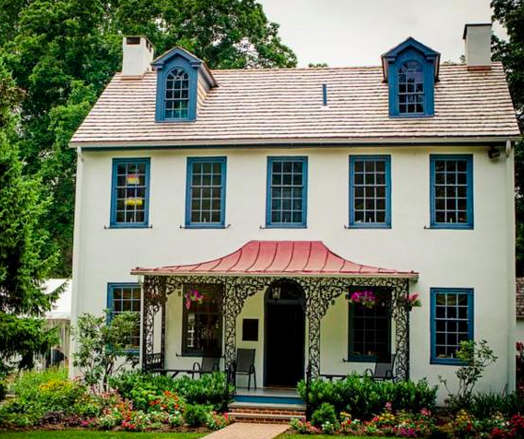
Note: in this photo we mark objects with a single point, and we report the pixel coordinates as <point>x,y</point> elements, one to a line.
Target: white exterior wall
<point>519,332</point>
<point>481,258</point>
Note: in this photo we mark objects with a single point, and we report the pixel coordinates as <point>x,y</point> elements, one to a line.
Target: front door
<point>285,334</point>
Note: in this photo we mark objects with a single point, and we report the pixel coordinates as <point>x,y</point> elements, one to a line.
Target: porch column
<point>154,293</point>
<point>400,315</point>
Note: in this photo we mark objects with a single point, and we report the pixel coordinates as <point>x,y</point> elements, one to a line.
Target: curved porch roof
<point>278,258</point>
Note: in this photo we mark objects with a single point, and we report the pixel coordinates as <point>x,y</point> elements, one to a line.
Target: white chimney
<point>477,39</point>
<point>137,56</point>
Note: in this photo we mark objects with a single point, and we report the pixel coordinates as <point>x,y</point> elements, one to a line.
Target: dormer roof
<point>429,54</point>
<point>164,59</point>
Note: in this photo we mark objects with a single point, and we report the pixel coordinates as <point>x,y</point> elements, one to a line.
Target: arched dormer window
<point>411,88</point>
<point>176,100</point>
<point>411,69</point>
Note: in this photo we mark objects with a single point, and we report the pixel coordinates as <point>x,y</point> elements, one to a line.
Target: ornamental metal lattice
<point>320,293</point>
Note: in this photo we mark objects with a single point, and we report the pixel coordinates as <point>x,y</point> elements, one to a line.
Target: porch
<point>280,292</point>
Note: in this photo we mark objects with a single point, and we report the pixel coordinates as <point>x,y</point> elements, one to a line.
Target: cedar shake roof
<point>279,258</point>
<point>283,106</point>
<point>520,298</point>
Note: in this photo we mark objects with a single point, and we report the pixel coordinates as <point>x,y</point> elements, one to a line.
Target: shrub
<point>363,397</point>
<point>216,421</point>
<point>325,413</point>
<point>484,405</point>
<point>196,415</point>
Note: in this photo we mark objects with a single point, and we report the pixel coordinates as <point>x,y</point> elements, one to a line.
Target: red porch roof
<point>279,258</point>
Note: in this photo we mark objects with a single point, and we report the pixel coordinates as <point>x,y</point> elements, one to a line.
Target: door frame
<point>299,301</point>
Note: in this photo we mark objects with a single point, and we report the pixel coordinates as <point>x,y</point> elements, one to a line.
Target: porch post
<point>230,323</point>
<point>400,314</point>
<point>154,288</point>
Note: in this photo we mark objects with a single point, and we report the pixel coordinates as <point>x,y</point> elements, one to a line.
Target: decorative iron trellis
<point>320,293</point>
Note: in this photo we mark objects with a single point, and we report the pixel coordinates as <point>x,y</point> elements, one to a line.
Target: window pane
<point>130,192</point>
<point>127,299</point>
<point>411,88</point>
<point>176,99</point>
<point>206,191</point>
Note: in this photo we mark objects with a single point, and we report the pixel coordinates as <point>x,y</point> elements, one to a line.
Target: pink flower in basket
<point>364,298</point>
<point>413,300</point>
<point>193,296</point>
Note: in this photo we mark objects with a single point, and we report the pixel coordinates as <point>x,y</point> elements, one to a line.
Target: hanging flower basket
<point>193,296</point>
<point>413,301</point>
<point>364,298</point>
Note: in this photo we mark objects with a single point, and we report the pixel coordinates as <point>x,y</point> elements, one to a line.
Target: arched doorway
<point>285,323</point>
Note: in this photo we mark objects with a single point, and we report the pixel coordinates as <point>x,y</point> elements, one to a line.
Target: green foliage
<point>475,357</point>
<point>363,397</point>
<point>142,388</point>
<point>324,413</point>
<point>104,348</point>
<point>196,415</point>
<point>484,405</point>
<point>62,53</point>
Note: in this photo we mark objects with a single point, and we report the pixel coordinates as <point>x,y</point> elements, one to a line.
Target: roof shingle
<point>285,105</point>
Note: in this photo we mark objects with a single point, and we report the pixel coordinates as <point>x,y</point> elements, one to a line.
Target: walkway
<point>240,430</point>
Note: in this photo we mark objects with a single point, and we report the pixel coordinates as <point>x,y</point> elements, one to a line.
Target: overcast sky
<point>357,32</point>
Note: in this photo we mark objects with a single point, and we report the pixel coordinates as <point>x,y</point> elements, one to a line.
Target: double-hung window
<point>206,192</point>
<point>130,193</point>
<point>451,190</point>
<point>123,297</point>
<point>286,192</point>
<point>202,321</point>
<point>370,191</point>
<point>451,322</point>
<point>370,330</point>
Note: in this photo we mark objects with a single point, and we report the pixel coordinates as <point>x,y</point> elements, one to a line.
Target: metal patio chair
<point>383,371</point>
<point>208,365</point>
<point>245,365</point>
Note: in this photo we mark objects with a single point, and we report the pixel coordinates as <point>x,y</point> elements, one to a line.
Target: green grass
<point>81,434</point>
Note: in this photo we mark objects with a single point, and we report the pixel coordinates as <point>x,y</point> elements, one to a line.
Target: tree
<point>104,346</point>
<point>25,257</point>
<point>63,53</point>
<point>510,13</point>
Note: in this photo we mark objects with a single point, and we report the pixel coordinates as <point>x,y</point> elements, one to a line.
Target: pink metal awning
<point>278,258</point>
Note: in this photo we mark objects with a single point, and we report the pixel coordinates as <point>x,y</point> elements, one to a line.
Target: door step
<point>261,413</point>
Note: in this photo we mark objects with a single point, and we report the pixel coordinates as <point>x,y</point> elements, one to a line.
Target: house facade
<point>259,208</point>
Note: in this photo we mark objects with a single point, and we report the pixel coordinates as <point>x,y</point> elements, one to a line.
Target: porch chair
<point>245,365</point>
<point>383,371</point>
<point>208,365</point>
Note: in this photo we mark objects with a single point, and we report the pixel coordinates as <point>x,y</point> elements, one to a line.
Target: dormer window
<point>177,94</point>
<point>182,81</point>
<point>411,69</point>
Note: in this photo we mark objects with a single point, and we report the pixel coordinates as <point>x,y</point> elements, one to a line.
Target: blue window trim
<point>120,225</point>
<point>189,175</point>
<point>471,320</point>
<point>362,358</point>
<point>470,210</point>
<point>110,287</point>
<point>387,223</point>
<point>303,223</point>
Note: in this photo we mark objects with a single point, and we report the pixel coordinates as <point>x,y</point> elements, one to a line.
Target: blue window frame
<point>286,204</point>
<point>451,322</point>
<point>451,191</point>
<point>121,297</point>
<point>130,193</point>
<point>411,88</point>
<point>370,191</point>
<point>206,192</point>
<point>176,97</point>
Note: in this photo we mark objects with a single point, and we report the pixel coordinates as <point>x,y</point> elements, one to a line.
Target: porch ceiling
<point>278,258</point>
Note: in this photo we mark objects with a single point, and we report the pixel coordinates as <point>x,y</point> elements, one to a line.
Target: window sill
<point>410,116</point>
<point>205,226</point>
<point>129,226</point>
<point>450,227</point>
<point>285,226</point>
<point>360,359</point>
<point>368,226</point>
<point>446,362</point>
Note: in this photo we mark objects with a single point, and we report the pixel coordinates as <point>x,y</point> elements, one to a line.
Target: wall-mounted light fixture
<point>493,153</point>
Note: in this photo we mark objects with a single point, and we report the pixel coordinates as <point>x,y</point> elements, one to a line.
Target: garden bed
<point>82,434</point>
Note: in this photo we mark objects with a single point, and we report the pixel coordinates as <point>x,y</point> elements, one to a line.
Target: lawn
<point>82,434</point>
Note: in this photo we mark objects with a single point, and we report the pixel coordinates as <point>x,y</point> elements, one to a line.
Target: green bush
<point>196,415</point>
<point>142,388</point>
<point>325,413</point>
<point>485,405</point>
<point>363,397</point>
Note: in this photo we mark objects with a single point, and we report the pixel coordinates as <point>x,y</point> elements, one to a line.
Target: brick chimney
<point>137,56</point>
<point>477,39</point>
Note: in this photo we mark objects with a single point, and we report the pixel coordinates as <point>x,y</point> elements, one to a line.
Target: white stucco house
<point>244,208</point>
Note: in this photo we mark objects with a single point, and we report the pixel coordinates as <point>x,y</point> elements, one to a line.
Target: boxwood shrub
<point>363,397</point>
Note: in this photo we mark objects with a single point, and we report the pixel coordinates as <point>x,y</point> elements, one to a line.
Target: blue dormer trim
<point>411,51</point>
<point>178,58</point>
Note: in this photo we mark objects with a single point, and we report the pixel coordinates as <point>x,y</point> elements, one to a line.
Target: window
<point>451,322</point>
<point>286,192</point>
<point>411,88</point>
<point>206,192</point>
<point>125,297</point>
<point>370,328</point>
<point>177,94</point>
<point>202,321</point>
<point>451,191</point>
<point>130,193</point>
<point>369,191</point>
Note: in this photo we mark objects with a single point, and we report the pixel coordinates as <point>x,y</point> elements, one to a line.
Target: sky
<point>357,32</point>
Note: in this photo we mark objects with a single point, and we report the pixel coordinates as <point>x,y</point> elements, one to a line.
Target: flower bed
<point>142,403</point>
